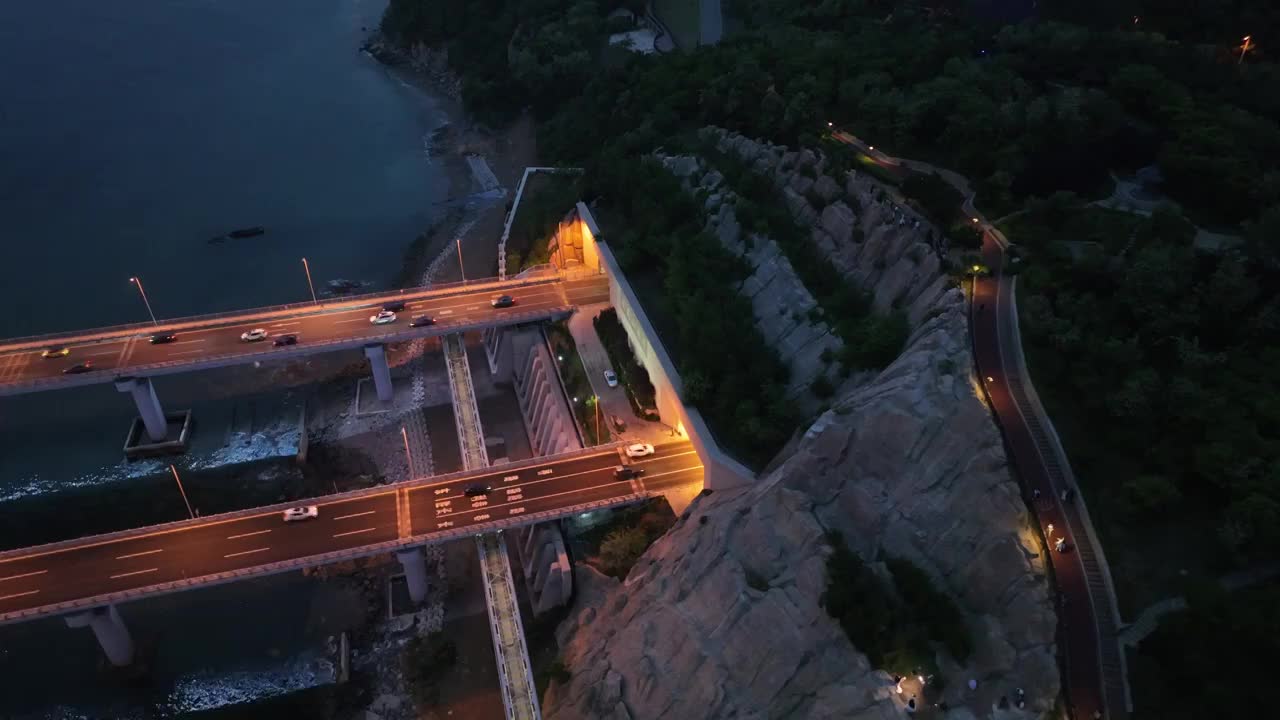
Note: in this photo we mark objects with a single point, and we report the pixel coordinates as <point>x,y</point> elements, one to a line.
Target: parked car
<point>503,301</point>
<point>163,338</point>
<point>254,335</point>
<point>395,306</point>
<point>284,340</point>
<point>55,352</point>
<point>476,490</point>
<point>421,321</point>
<point>301,513</point>
<point>639,450</point>
<point>610,378</point>
<point>382,318</point>
<point>83,367</point>
<point>623,472</point>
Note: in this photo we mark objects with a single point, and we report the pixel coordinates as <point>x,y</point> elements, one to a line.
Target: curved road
<point>1094,675</point>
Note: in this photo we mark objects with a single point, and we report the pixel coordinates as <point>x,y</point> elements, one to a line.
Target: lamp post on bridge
<point>407,455</point>
<point>461,271</point>
<point>174,470</point>
<point>138,281</point>
<point>307,268</point>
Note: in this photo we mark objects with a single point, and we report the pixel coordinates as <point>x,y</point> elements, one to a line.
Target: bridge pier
<point>110,630</point>
<point>415,572</point>
<point>377,355</point>
<point>144,396</point>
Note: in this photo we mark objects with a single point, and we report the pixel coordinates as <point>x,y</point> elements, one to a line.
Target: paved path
<point>1095,676</point>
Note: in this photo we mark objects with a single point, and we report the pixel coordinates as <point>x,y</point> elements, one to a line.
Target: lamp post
<point>596,399</point>
<point>307,267</point>
<point>138,281</point>
<point>461,271</point>
<point>174,470</point>
<point>1244,48</point>
<point>407,455</point>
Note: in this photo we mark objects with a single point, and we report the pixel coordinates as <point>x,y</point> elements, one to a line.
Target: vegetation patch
<point>582,398</point>
<point>546,200</point>
<point>425,661</point>
<point>632,375</point>
<point>682,18</point>
<point>614,547</point>
<point>896,621</point>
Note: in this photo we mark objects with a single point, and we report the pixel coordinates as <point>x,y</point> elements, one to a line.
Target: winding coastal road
<point>42,580</point>
<point>214,341</point>
<point>1095,674</point>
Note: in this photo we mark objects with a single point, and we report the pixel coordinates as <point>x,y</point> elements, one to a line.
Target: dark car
<point>285,340</point>
<point>622,472</point>
<point>396,306</point>
<point>422,321</point>
<point>476,490</point>
<point>83,367</point>
<point>503,301</point>
<point>163,338</point>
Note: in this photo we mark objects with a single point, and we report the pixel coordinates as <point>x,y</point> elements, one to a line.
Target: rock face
<point>722,617</point>
<point>909,465</point>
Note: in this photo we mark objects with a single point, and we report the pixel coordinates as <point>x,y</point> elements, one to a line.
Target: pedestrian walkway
<point>519,695</point>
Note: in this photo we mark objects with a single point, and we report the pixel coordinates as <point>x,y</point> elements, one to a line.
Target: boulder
<point>838,220</point>
<point>827,188</point>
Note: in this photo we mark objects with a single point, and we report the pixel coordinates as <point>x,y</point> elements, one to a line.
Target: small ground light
<point>990,379</point>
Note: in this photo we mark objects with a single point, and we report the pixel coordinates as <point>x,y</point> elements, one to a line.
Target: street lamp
<point>458,241</point>
<point>174,470</point>
<point>145,301</point>
<point>407,456</point>
<point>1244,48</point>
<point>307,268</point>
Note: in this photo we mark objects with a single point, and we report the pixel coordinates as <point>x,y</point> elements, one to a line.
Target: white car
<point>610,378</point>
<point>382,318</point>
<point>639,450</point>
<point>301,513</point>
<point>254,335</point>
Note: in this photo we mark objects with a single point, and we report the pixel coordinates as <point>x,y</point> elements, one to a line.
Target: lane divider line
<point>355,532</point>
<point>247,552</point>
<point>359,514</point>
<point>260,532</point>
<point>30,574</point>
<point>18,595</point>
<point>135,572</point>
<point>138,554</point>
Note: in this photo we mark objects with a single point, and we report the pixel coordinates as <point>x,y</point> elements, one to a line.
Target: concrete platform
<point>138,445</point>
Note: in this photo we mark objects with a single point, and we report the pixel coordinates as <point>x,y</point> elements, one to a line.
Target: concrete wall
<point>721,471</point>
<point>545,561</point>
<point>548,421</point>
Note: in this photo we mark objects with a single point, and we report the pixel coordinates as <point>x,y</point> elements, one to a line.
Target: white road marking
<point>286,324</point>
<point>445,312</point>
<point>18,595</point>
<point>260,532</point>
<point>135,572</point>
<point>100,354</point>
<point>138,554</point>
<point>247,552</point>
<point>344,517</point>
<point>30,574</point>
<point>188,342</point>
<point>185,352</point>
<point>355,532</point>
<point>340,322</point>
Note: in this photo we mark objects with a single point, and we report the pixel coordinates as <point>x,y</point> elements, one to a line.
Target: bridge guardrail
<point>146,328</point>
<point>273,353</point>
<point>314,560</point>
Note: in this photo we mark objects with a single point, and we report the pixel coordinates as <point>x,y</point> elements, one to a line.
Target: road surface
<point>210,342</point>
<point>97,566</point>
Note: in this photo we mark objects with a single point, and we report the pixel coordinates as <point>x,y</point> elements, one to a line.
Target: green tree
<point>621,549</point>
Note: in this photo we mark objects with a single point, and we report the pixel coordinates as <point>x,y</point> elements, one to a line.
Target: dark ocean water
<point>130,134</point>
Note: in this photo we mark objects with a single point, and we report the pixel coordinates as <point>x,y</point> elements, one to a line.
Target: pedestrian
<point>973,684</point>
<point>911,705</point>
<point>1060,544</point>
<point>1049,530</point>
<point>1035,494</point>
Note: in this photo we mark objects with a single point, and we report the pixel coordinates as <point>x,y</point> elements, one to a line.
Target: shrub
<point>621,549</point>
<point>424,660</point>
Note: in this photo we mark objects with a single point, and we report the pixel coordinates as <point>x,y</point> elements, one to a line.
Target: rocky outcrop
<point>722,617</point>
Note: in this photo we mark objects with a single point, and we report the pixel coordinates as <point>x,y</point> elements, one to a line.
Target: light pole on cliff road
<point>145,301</point>
<point>461,271</point>
<point>307,267</point>
<point>407,456</point>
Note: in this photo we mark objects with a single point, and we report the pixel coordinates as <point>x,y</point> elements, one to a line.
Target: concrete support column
<point>415,572</point>
<point>377,355</point>
<point>492,342</point>
<point>110,630</point>
<point>144,396</point>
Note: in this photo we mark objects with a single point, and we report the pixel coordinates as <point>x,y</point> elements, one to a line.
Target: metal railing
<point>515,205</point>
<point>248,353</point>
<point>466,415</point>
<point>519,693</point>
<point>343,302</point>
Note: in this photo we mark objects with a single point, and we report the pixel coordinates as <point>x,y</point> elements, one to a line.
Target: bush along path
<point>1095,673</point>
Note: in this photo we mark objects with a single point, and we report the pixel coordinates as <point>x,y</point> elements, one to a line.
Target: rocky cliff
<point>907,463</point>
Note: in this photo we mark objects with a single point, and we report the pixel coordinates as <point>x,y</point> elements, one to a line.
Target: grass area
<point>614,546</point>
<point>682,18</point>
<point>634,378</point>
<point>595,427</point>
<point>546,200</point>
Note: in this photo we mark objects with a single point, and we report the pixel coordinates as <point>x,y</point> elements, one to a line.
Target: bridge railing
<point>269,352</point>
<point>309,560</point>
<point>146,328</point>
